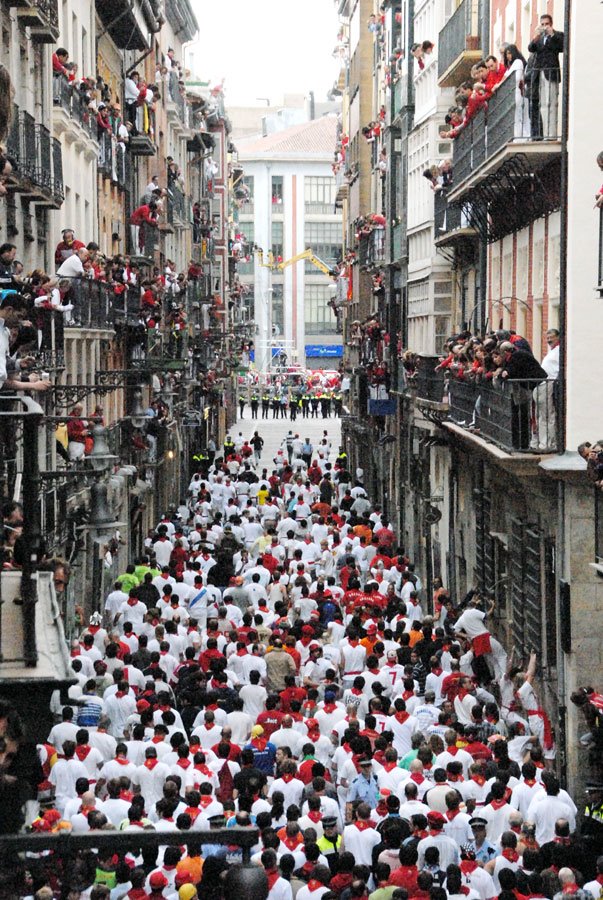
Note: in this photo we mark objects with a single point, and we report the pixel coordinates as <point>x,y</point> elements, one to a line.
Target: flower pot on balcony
<point>472,42</point>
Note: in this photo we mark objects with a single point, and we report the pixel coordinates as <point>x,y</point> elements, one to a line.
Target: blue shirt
<point>364,789</point>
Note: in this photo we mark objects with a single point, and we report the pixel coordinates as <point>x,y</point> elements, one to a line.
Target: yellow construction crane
<point>307,254</point>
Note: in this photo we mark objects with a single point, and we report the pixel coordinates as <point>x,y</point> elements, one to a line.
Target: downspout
<point>562,573</point>
<point>484,32</point>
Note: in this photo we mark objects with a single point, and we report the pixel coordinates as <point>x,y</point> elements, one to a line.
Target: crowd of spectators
<point>502,358</point>
<point>536,86</point>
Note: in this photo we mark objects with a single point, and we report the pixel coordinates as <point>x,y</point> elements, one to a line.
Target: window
<point>278,230</point>
<point>248,182</point>
<point>319,195</point>
<point>277,190</point>
<point>246,268</point>
<point>278,310</point>
<point>324,239</point>
<point>320,318</point>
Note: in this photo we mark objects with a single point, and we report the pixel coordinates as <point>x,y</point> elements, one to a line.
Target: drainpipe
<point>565,99</point>
<point>562,568</point>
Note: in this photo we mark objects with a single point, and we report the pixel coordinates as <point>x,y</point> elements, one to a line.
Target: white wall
<point>584,306</point>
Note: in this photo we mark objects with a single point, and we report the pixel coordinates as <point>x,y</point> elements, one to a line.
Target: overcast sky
<point>265,48</point>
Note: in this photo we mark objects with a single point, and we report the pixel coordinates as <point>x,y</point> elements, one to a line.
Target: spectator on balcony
<point>60,58</point>
<point>103,122</point>
<point>8,253</point>
<point>13,310</point>
<point>144,217</point>
<point>521,367</point>
<point>515,67</point>
<point>545,395</point>
<point>546,45</point>
<point>496,73</point>
<point>52,293</point>
<point>73,266</point>
<point>77,432</point>
<point>132,91</point>
<point>67,247</point>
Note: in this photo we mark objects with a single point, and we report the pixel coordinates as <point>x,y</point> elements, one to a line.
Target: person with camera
<point>546,45</point>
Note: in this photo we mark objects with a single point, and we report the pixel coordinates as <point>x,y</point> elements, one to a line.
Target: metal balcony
<point>66,98</point>
<point>427,383</point>
<point>30,147</point>
<point>517,416</point>
<point>177,206</point>
<point>42,17</point>
<point>105,155</point>
<point>459,44</point>
<point>450,224</point>
<point>506,161</point>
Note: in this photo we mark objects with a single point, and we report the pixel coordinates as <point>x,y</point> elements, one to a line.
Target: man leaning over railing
<point>13,313</point>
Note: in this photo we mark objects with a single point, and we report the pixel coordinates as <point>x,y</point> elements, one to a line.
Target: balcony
<point>92,304</point>
<point>176,102</point>
<point>177,213</point>
<point>506,162</point>
<point>459,44</point>
<point>36,159</point>
<point>128,25</point>
<point>42,17</point>
<point>342,186</point>
<point>429,385</point>
<point>163,351</point>
<point>516,416</point>
<point>105,154</point>
<point>122,166</point>
<point>400,96</point>
<point>372,249</point>
<point>451,227</point>
<point>142,142</point>
<point>67,100</point>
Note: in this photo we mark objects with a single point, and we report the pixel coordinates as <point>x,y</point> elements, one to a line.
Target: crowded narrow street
<point>301,552</point>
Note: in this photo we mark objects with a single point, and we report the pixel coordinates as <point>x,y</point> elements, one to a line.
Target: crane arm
<point>312,258</point>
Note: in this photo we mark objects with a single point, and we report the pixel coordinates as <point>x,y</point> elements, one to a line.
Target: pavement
<point>274,432</point>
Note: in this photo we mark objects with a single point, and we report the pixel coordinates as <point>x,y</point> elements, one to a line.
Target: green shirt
<point>140,572</point>
<point>128,581</point>
<point>384,893</point>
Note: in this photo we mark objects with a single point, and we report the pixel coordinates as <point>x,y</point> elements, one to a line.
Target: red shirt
<point>270,720</point>
<point>289,694</point>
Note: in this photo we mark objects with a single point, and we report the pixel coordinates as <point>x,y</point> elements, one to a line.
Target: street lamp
<point>101,457</point>
<point>137,415</point>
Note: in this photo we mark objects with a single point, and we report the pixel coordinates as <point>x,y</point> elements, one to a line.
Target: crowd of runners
<point>275,661</point>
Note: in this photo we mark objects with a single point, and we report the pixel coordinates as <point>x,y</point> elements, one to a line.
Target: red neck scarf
<point>479,779</point>
<point>570,888</point>
<point>437,670</point>
<point>511,855</point>
<point>498,804</point>
<point>363,824</point>
<point>314,885</point>
<point>82,752</point>
<point>315,815</point>
<point>122,760</point>
<point>452,814</point>
<point>468,866</point>
<point>193,812</point>
<point>150,764</point>
<point>401,717</point>
<point>273,876</point>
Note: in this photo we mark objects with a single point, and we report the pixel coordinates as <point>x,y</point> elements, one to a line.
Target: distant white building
<point>291,209</point>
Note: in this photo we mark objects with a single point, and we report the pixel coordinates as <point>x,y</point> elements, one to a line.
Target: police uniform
<point>254,406</point>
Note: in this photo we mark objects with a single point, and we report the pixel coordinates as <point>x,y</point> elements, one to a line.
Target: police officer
<point>305,405</point>
<point>254,403</point>
<point>242,402</point>
<point>265,404</point>
<point>228,446</point>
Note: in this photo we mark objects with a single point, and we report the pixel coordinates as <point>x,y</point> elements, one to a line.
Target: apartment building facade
<point>503,248</point>
<point>291,209</point>
<point>123,365</point>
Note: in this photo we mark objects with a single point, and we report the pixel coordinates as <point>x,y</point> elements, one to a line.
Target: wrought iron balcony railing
<point>517,416</point>
<point>459,43</point>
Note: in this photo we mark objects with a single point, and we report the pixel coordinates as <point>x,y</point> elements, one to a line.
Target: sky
<point>265,48</point>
